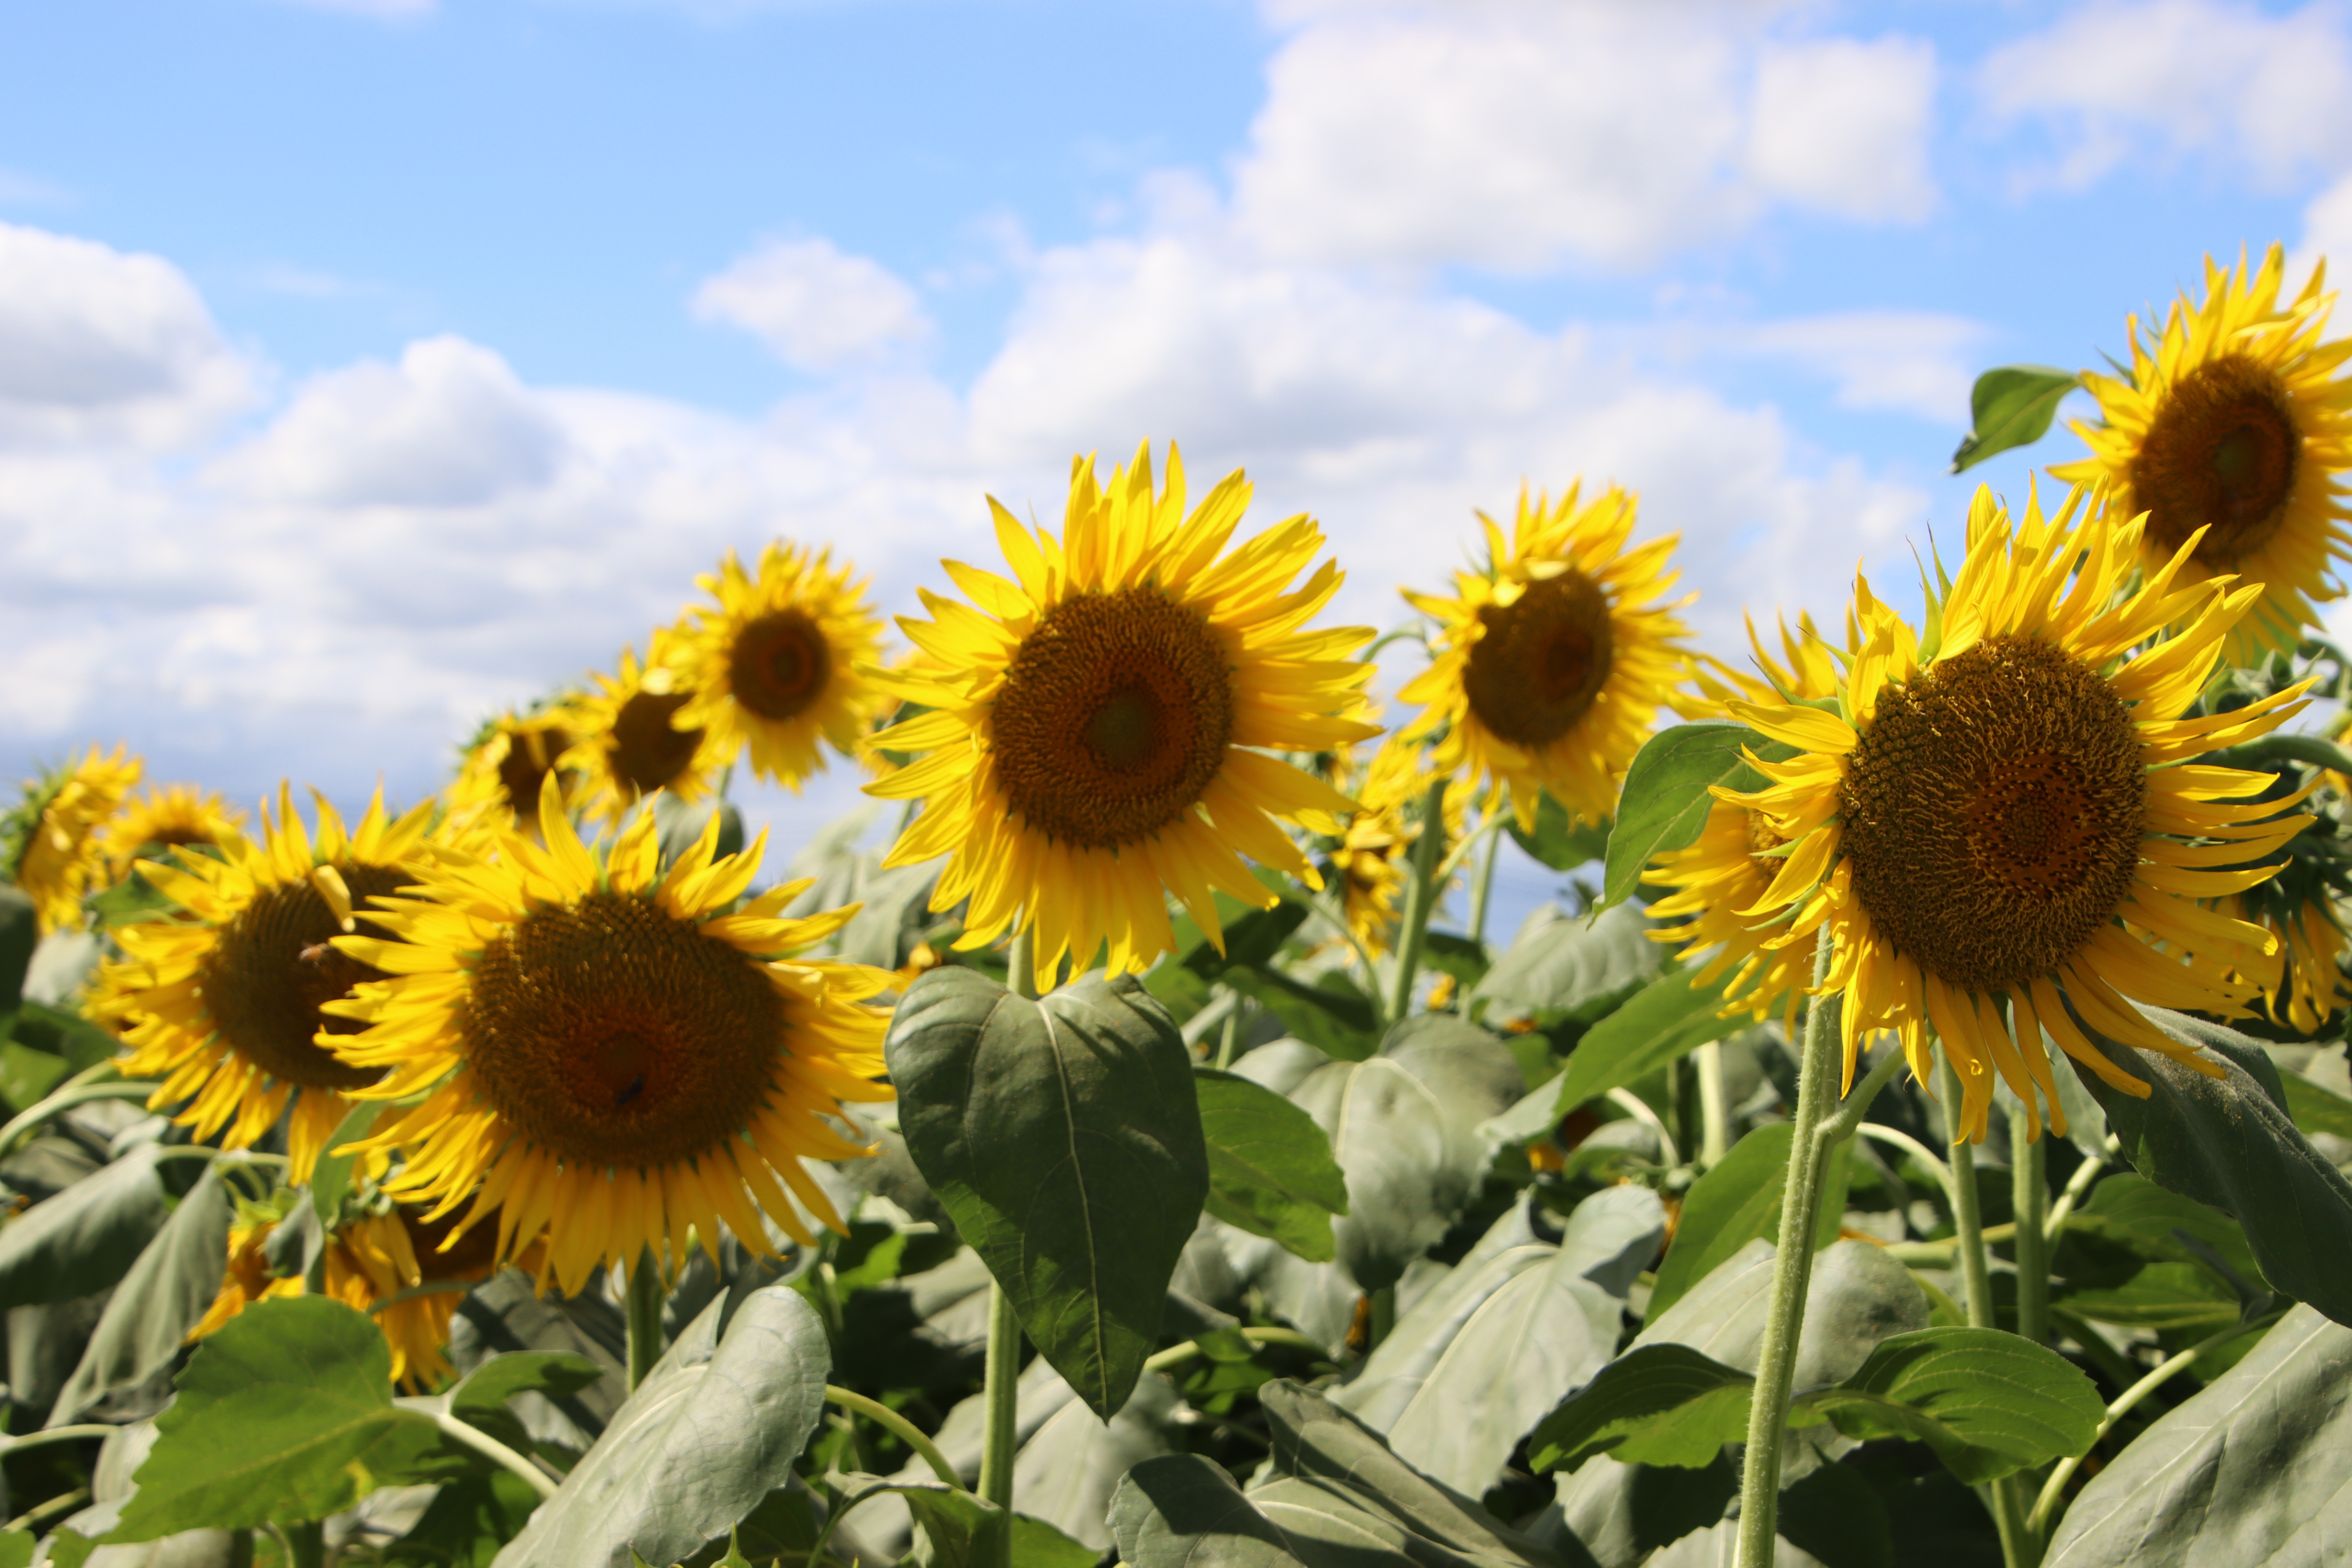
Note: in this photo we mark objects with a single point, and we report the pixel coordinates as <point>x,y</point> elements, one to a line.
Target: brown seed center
<point>1994,813</point>
<point>613,1034</point>
<point>779,664</point>
<point>1114,717</point>
<point>530,754</point>
<point>272,967</point>
<point>2221,452</point>
<point>1542,660</point>
<point>646,754</point>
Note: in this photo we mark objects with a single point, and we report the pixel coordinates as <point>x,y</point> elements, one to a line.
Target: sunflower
<point>169,815</point>
<point>2233,421</point>
<point>51,844</point>
<point>1719,876</point>
<point>2303,982</point>
<point>628,743</point>
<point>1100,729</point>
<point>1552,663</point>
<point>1369,860</point>
<point>775,666</point>
<point>504,765</point>
<point>605,1050</point>
<point>2005,815</point>
<point>222,1002</point>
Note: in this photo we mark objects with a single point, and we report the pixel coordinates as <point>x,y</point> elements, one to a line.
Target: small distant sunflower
<point>628,743</point>
<point>2304,982</point>
<point>775,666</point>
<point>51,846</point>
<point>602,1053</point>
<point>2008,814</point>
<point>1552,663</point>
<point>504,766</point>
<point>170,815</point>
<point>1720,879</point>
<point>1100,729</point>
<point>2234,421</point>
<point>1370,858</point>
<point>223,1003</point>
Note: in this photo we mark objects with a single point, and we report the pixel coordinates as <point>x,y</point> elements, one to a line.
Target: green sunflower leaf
<point>1737,1202</point>
<point>1270,1167</point>
<point>1989,1403</point>
<point>2011,407</point>
<point>87,1237</point>
<point>19,934</point>
<point>1656,1404</point>
<point>1557,843</point>
<point>1064,1138</point>
<point>1665,800</point>
<point>163,1295</point>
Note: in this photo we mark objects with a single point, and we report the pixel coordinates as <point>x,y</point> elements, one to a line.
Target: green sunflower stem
<point>1482,888</point>
<point>1420,901</point>
<point>1001,1390</point>
<point>1792,1273</point>
<point>2005,1498</point>
<point>2029,1194</point>
<point>306,1545</point>
<point>645,1308</point>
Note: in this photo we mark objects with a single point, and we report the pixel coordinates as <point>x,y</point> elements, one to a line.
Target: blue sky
<point>364,366</point>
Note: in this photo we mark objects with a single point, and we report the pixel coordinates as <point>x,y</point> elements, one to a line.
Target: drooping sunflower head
<point>504,765</point>
<point>1100,722</point>
<point>626,740</point>
<point>2001,826</point>
<point>774,664</point>
<point>1718,879</point>
<point>51,844</point>
<point>586,1048</point>
<point>1370,856</point>
<point>1552,662</point>
<point>2234,421</point>
<point>165,817</point>
<point>223,1000</point>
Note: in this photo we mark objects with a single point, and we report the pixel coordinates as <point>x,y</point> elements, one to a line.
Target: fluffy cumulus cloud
<point>1911,362</point>
<point>1521,136</point>
<point>816,306</point>
<point>2268,96</point>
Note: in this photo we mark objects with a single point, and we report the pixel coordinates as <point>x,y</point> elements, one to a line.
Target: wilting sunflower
<point>1552,663</point>
<point>1370,858</point>
<point>774,666</point>
<point>223,1002</point>
<point>370,1261</point>
<point>2234,421</point>
<point>1719,877</point>
<point>605,1050</point>
<point>51,846</point>
<point>2005,815</point>
<point>504,765</point>
<point>169,815</point>
<point>628,743</point>
<point>1101,725</point>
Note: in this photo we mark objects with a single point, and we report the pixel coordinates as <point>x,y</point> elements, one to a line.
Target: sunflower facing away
<point>1552,663</point>
<point>50,845</point>
<point>1102,722</point>
<point>505,765</point>
<point>603,1055</point>
<point>2004,816</point>
<point>628,744</point>
<point>169,816</point>
<point>1371,855</point>
<point>2234,421</point>
<point>774,666</point>
<point>223,1003</point>
<point>1718,879</point>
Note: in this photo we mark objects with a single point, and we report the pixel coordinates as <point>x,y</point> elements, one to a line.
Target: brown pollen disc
<point>1114,717</point>
<point>271,969</point>
<point>612,1034</point>
<point>530,754</point>
<point>2222,451</point>
<point>779,664</point>
<point>474,1255</point>
<point>1542,661</point>
<point>1994,813</point>
<point>646,754</point>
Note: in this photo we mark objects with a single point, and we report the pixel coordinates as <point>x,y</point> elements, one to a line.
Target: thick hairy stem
<point>1420,901</point>
<point>1714,1110</point>
<point>2007,1501</point>
<point>2029,1197</point>
<point>1482,888</point>
<point>1001,1386</point>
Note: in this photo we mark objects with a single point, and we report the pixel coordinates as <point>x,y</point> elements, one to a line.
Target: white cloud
<point>1517,136</point>
<point>816,306</point>
<point>2169,78</point>
<point>1910,362</point>
<point>100,346</point>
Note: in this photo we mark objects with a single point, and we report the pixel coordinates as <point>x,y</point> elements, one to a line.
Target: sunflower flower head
<point>502,767</point>
<point>52,845</point>
<point>166,817</point>
<point>2235,422</point>
<point>774,664</point>
<point>1100,722</point>
<point>627,741</point>
<point>1370,859</point>
<point>585,1048</point>
<point>2001,822</point>
<point>223,999</point>
<point>1552,662</point>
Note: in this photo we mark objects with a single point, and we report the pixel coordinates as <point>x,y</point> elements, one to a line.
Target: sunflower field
<point>1917,1135</point>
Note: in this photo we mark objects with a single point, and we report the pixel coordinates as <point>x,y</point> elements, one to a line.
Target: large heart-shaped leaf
<point>710,1432</point>
<point>163,1295</point>
<point>1064,1138</point>
<point>1270,1167</point>
<point>2256,1468</point>
<point>1737,1202</point>
<point>1656,1404</point>
<point>2230,1142</point>
<point>1665,800</point>
<point>1989,1403</point>
<point>85,1237</point>
<point>1663,1021</point>
<point>1564,967</point>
